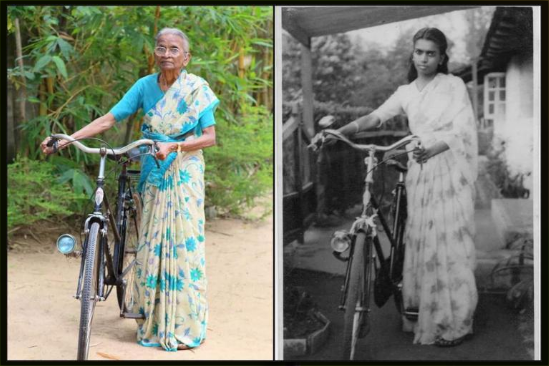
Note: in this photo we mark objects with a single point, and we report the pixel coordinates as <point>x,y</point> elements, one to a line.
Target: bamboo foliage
<point>79,60</point>
<point>76,62</point>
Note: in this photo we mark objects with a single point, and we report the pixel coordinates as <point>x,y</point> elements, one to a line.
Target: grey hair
<point>175,32</point>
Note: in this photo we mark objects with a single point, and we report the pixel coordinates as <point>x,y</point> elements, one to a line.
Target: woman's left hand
<point>164,149</point>
<point>421,154</point>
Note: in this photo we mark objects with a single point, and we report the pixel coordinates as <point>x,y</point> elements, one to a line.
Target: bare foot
<point>184,347</point>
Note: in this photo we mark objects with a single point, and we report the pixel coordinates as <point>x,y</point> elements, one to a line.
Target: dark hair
<point>436,36</point>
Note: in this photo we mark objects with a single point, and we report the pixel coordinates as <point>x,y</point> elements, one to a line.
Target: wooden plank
<point>292,26</point>
<point>474,63</point>
<point>313,21</point>
<point>299,181</point>
<point>307,89</point>
<point>307,187</point>
<point>290,196</point>
<point>289,127</point>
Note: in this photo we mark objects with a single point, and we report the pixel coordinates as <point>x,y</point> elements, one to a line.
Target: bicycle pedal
<point>132,316</point>
<point>411,314</point>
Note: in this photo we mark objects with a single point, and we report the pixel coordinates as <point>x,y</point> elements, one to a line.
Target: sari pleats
<point>440,255</point>
<point>170,271</point>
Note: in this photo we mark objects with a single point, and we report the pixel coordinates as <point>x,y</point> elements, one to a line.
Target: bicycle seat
<point>133,155</point>
<point>397,165</point>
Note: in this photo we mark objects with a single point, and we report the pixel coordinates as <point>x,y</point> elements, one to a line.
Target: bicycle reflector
<point>66,243</point>
<point>341,241</point>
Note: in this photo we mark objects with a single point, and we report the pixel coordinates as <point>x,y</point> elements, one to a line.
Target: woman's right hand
<point>47,150</point>
<point>323,138</point>
<point>330,139</point>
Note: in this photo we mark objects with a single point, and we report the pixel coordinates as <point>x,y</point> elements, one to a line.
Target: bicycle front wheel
<point>400,213</point>
<point>356,321</point>
<point>88,297</point>
<point>125,291</point>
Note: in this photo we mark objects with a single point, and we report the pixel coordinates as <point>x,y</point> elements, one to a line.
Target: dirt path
<point>43,317</point>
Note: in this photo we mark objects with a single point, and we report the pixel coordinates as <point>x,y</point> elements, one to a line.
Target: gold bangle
<point>178,148</point>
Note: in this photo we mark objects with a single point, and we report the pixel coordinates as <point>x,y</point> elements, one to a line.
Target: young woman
<point>439,279</point>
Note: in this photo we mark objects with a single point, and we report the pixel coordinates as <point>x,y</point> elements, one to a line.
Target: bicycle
<point>361,244</point>
<point>103,265</point>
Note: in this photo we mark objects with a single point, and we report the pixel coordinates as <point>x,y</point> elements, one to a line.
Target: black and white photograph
<point>408,149</point>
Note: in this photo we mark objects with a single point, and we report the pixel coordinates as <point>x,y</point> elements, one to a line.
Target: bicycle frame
<point>363,245</point>
<point>103,214</point>
<point>366,223</point>
<point>98,267</point>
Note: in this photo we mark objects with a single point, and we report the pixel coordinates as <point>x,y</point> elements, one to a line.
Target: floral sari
<point>439,263</point>
<point>170,276</point>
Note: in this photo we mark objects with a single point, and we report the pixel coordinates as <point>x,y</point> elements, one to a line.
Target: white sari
<point>439,263</point>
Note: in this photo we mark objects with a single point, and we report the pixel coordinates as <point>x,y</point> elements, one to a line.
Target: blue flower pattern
<point>184,177</point>
<point>190,243</point>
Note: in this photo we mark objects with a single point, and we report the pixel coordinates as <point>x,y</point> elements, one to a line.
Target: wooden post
<point>22,92</point>
<point>475,87</point>
<point>297,171</point>
<point>308,122</point>
<point>307,88</point>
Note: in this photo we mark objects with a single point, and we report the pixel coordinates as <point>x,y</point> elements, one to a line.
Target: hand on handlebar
<point>163,149</point>
<point>48,146</point>
<point>51,145</point>
<point>324,138</point>
<point>421,154</point>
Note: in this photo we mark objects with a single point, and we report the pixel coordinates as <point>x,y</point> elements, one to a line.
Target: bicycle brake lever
<point>154,149</point>
<point>420,147</point>
<point>53,142</point>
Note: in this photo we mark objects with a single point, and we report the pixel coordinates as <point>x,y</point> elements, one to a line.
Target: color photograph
<point>139,182</point>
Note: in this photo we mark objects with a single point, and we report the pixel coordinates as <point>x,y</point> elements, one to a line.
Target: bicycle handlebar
<point>92,150</point>
<point>320,138</point>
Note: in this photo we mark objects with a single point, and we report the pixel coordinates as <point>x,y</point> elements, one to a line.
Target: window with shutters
<point>494,97</point>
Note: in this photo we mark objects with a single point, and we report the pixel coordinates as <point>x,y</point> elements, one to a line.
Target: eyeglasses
<point>161,51</point>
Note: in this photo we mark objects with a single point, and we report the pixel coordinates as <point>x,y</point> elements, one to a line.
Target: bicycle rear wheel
<point>356,322</point>
<point>125,291</point>
<point>88,297</point>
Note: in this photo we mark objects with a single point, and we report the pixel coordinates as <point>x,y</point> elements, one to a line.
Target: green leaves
<point>60,66</point>
<point>33,194</point>
<point>81,183</point>
<point>43,61</point>
<point>240,168</point>
<point>65,48</point>
<point>80,61</point>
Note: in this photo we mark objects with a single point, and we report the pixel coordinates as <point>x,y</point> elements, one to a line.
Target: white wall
<point>518,127</point>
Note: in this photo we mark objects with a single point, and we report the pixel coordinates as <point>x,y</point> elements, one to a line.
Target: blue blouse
<point>144,94</point>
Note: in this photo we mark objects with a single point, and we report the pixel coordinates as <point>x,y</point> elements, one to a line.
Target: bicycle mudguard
<point>383,285</point>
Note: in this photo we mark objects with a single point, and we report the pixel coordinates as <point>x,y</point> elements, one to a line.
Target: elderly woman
<point>170,270</point>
